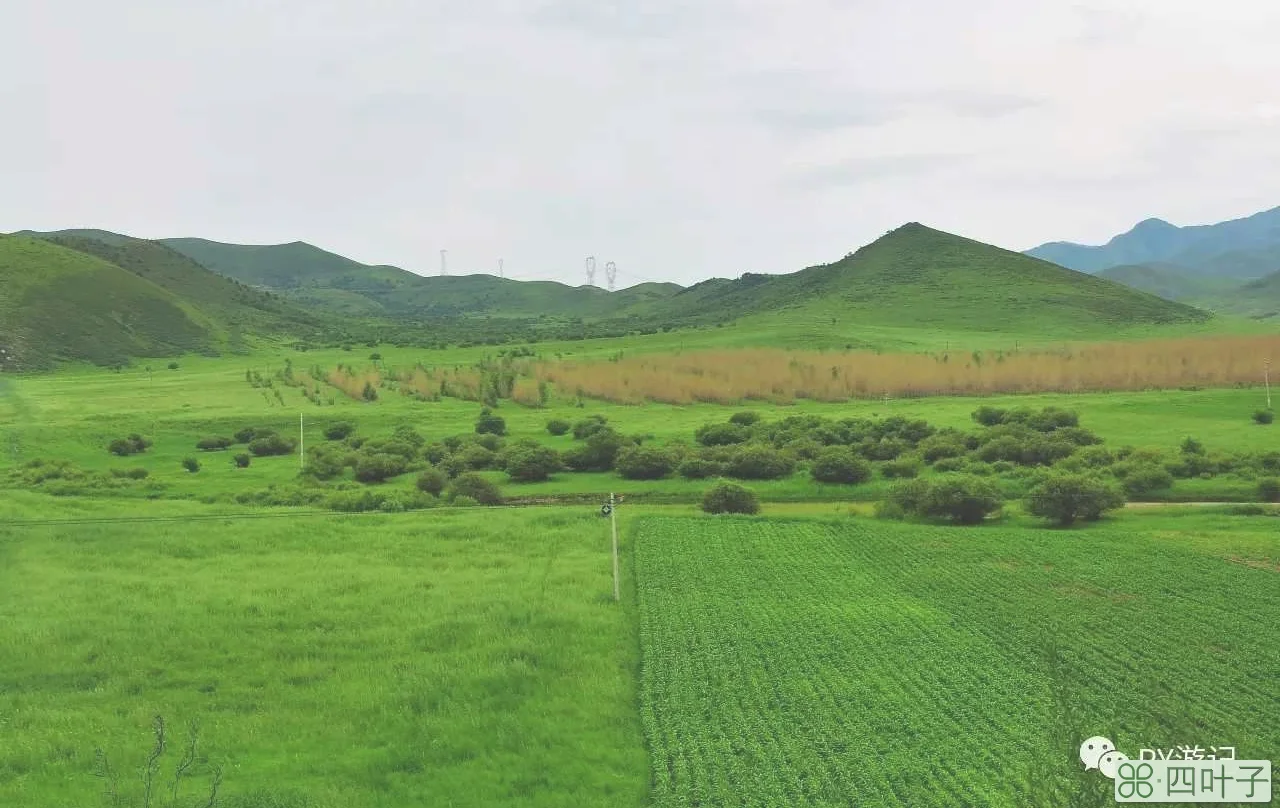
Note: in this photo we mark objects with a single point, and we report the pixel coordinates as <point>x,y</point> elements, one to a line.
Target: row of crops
<point>863,663</point>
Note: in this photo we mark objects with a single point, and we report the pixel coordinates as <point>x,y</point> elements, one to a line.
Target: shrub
<point>326,463</point>
<point>1269,489</point>
<point>134,444</point>
<point>191,464</point>
<point>841,466</point>
<point>950,464</point>
<point>369,393</point>
<point>1142,479</point>
<point>532,464</point>
<point>558,426</point>
<point>902,468</point>
<point>1263,417</point>
<point>135,473</point>
<point>489,441</point>
<point>213,444</point>
<point>644,463</point>
<point>721,434</point>
<point>376,468</point>
<point>1192,446</point>
<point>941,447</point>
<point>252,433</point>
<point>699,468</point>
<point>242,460</point>
<point>963,499</point>
<point>598,454</point>
<point>270,445</point>
<point>432,481</point>
<point>745,418</point>
<point>173,366</point>
<point>339,431</point>
<point>729,498</point>
<point>375,357</point>
<point>588,426</point>
<point>759,463</point>
<point>490,424</point>
<point>905,499</point>
<point>1066,498</point>
<point>476,488</point>
<point>989,416</point>
<point>883,449</point>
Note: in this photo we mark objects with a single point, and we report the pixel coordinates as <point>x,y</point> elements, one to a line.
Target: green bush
<point>432,481</point>
<point>271,445</point>
<point>558,426</point>
<point>173,366</point>
<point>1141,480</point>
<point>327,462</point>
<point>883,449</point>
<point>951,464</point>
<point>964,499</point>
<point>942,447</point>
<point>135,473</point>
<point>841,466</point>
<point>700,468</point>
<point>721,434</point>
<point>902,468</point>
<point>340,430</point>
<point>213,444</point>
<point>476,488</point>
<point>490,424</point>
<point>745,418</point>
<point>1192,446</point>
<point>191,464</point>
<point>589,426</point>
<point>987,415</point>
<point>376,468</point>
<point>1264,417</point>
<point>644,463</point>
<point>532,463</point>
<point>730,498</point>
<point>759,463</point>
<point>242,460</point>
<point>1269,489</point>
<point>1066,498</point>
<point>598,453</point>
<point>252,433</point>
<point>134,444</point>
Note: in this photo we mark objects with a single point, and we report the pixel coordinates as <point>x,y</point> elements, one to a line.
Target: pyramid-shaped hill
<point>919,277</point>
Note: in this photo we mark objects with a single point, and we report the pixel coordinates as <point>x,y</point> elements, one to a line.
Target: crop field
<point>472,659</point>
<point>823,663</point>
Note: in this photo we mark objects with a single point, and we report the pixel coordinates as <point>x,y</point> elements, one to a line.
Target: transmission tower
<point>500,273</point>
<point>591,270</point>
<point>611,274</point>
<point>444,265</point>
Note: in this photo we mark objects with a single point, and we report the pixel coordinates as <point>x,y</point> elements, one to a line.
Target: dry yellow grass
<point>783,376</point>
<point>352,382</point>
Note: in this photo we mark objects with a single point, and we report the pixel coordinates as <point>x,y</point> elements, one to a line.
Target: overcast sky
<point>679,139</point>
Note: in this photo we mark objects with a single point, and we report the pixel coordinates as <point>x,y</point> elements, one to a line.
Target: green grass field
<point>856,663</point>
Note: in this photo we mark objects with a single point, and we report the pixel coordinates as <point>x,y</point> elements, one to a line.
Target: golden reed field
<point>766,374</point>
<point>730,376</point>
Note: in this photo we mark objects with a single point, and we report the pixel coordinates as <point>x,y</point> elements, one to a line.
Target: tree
<point>191,464</point>
<point>589,426</point>
<point>476,488</point>
<point>378,468</point>
<point>173,366</point>
<point>730,498</point>
<point>759,463</point>
<point>598,454</point>
<point>902,468</point>
<point>721,434</point>
<point>242,460</point>
<point>213,444</point>
<point>558,426</point>
<point>1264,417</point>
<point>1269,489</point>
<point>532,464</point>
<point>840,465</point>
<point>963,499</point>
<point>1141,480</point>
<point>369,393</point>
<point>339,431</point>
<point>745,418</point>
<point>490,424</point>
<point>1066,498</point>
<point>432,481</point>
<point>271,444</point>
<point>644,463</point>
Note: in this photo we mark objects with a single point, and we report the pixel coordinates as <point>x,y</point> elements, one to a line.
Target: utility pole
<point>302,440</point>
<point>591,270</point>
<point>500,272</point>
<point>1266,378</point>
<point>444,267</point>
<point>611,274</point>
<point>613,521</point>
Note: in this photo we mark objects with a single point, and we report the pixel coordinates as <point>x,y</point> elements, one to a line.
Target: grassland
<point>839,663</point>
<point>472,659</point>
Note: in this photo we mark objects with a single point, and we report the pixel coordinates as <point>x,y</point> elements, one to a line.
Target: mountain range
<point>106,297</point>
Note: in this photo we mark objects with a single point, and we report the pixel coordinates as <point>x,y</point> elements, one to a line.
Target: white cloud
<point>680,140</point>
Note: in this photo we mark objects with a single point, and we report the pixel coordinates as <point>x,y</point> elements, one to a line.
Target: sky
<point>680,140</point>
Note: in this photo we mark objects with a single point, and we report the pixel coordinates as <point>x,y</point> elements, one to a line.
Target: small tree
<point>760,463</point>
<point>369,393</point>
<point>1066,498</point>
<point>270,445</point>
<point>730,498</point>
<point>644,463</point>
<point>904,468</point>
<point>558,426</point>
<point>378,468</point>
<point>1263,417</point>
<point>532,464</point>
<point>1269,489</point>
<point>589,426</point>
<point>339,431</point>
<point>490,424</point>
<point>173,366</point>
<point>213,444</point>
<point>1141,480</point>
<point>963,499</point>
<point>840,465</point>
<point>721,434</point>
<point>242,460</point>
<point>432,481</point>
<point>745,418</point>
<point>598,454</point>
<point>477,488</point>
<point>191,464</point>
<point>699,468</point>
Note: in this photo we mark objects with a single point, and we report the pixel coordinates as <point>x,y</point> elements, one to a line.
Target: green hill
<point>919,277</point>
<point>1170,281</point>
<point>61,304</point>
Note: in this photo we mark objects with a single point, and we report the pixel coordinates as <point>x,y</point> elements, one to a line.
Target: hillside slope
<point>61,304</point>
<point>919,277</point>
<point>1197,247</point>
<point>1170,281</point>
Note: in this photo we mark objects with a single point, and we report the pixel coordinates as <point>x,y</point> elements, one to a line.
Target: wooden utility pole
<point>613,522</point>
<point>1266,379</point>
<point>302,444</point>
